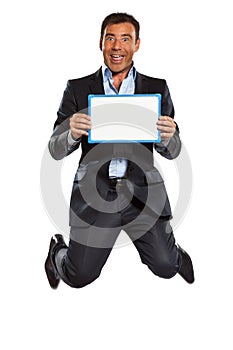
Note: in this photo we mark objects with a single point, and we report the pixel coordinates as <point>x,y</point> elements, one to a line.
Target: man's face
<point>118,45</point>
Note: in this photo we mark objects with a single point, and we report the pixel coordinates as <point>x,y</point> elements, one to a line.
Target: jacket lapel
<point>141,85</point>
<point>96,83</point>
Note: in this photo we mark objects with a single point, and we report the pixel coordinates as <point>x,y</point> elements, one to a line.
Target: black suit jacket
<point>95,158</point>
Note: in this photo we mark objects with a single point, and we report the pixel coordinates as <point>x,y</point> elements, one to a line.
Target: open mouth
<point>117,58</point>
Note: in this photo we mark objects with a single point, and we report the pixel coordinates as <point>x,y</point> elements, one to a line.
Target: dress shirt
<point>118,166</point>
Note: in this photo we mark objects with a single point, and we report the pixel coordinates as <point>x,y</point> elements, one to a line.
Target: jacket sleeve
<point>171,149</point>
<point>58,143</point>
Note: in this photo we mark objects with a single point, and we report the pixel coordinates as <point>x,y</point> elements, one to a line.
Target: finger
<point>166,128</point>
<point>81,118</point>
<point>166,123</point>
<point>80,125</point>
<point>165,117</point>
<point>78,132</point>
<point>81,132</point>
<point>164,120</point>
<point>80,122</point>
<point>81,115</point>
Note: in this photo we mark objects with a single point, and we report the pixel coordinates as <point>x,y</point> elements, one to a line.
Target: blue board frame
<point>91,96</point>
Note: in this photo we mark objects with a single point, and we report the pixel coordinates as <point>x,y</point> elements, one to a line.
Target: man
<point>116,185</point>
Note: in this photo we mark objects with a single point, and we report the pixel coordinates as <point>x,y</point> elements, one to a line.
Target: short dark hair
<point>120,17</point>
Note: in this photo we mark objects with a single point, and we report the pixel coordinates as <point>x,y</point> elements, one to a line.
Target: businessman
<point>116,186</point>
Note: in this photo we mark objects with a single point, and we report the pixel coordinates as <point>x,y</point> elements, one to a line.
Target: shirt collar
<point>107,74</point>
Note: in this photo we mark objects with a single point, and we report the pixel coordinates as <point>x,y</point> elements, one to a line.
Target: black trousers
<point>91,242</point>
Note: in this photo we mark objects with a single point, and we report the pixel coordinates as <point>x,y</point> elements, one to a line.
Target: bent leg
<point>158,250</point>
<point>80,264</point>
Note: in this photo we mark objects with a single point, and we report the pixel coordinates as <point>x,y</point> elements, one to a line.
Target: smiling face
<point>119,45</point>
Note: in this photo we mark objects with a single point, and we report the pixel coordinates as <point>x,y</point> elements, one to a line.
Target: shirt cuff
<point>71,141</point>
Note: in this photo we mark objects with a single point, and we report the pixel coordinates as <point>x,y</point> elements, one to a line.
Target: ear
<point>101,43</point>
<point>137,45</point>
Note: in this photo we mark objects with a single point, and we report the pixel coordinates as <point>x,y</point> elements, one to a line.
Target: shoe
<point>186,270</point>
<point>50,268</point>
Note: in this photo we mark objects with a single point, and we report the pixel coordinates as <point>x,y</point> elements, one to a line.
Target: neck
<point>118,77</point>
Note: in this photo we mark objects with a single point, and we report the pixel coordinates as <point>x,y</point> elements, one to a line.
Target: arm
<point>169,148</point>
<point>69,126</point>
<point>170,144</point>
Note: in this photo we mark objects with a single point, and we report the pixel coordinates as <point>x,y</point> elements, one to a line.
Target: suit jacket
<point>92,174</point>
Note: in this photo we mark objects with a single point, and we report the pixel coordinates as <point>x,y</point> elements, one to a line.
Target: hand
<point>167,127</point>
<point>79,124</point>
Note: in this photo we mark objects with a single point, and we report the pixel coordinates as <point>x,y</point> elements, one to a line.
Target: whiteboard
<point>124,118</point>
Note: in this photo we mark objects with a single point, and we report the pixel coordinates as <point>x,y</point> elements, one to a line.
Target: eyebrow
<point>122,35</point>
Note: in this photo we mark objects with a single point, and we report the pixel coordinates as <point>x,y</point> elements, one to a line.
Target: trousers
<point>91,242</point>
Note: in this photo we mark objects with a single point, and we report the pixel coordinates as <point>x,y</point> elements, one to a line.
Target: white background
<point>45,43</point>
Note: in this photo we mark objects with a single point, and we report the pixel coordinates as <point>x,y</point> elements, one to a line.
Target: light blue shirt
<point>118,166</point>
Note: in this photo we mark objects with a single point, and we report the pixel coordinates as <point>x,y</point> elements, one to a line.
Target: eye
<point>109,38</point>
<point>125,39</point>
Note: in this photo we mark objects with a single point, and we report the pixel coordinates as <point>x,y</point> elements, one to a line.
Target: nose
<point>117,44</point>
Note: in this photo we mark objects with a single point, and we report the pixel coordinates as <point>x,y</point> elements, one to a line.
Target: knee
<point>82,278</point>
<point>165,269</point>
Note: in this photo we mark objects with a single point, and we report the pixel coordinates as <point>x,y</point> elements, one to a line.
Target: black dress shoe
<point>186,269</point>
<point>56,242</point>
